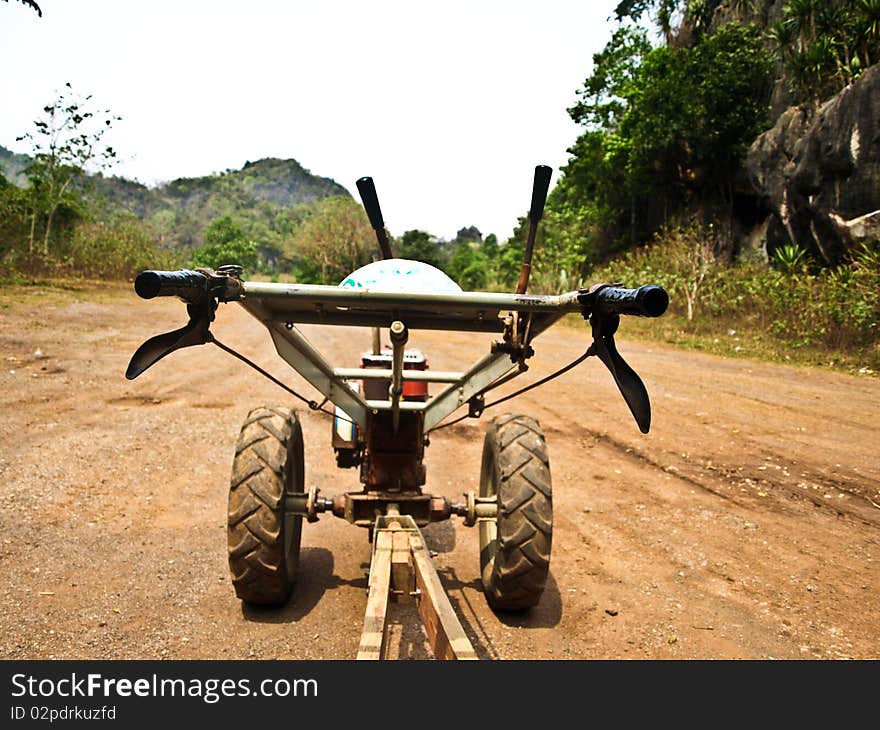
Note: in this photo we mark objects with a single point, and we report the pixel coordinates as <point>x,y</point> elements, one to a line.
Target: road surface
<point>744,526</point>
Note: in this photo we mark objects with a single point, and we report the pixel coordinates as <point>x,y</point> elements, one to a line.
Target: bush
<point>113,250</point>
<point>214,255</point>
<point>836,308</point>
<point>225,243</point>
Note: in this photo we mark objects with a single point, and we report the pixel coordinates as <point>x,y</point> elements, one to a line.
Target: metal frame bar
<point>424,376</point>
<point>308,362</point>
<point>281,306</point>
<point>318,298</point>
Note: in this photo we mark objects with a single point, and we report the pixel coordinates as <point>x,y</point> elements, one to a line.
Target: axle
<point>362,508</point>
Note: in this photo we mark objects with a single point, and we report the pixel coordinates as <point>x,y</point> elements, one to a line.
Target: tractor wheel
<point>263,540</point>
<point>515,547</point>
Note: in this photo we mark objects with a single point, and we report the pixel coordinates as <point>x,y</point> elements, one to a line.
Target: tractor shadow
<point>546,615</point>
<point>314,577</point>
<point>474,613</point>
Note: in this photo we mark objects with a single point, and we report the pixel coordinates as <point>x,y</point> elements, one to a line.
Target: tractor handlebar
<point>191,286</point>
<point>646,301</point>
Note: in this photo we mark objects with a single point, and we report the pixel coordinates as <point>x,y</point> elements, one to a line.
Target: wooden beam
<point>447,637</point>
<point>373,636</point>
<point>401,570</point>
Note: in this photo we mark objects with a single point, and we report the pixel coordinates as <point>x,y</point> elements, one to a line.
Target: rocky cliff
<point>818,174</point>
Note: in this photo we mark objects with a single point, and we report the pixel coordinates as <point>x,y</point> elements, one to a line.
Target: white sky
<point>447,105</point>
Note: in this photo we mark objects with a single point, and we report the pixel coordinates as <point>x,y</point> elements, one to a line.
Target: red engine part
<point>378,389</point>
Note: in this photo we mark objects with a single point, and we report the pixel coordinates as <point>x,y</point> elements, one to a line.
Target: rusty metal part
<point>362,508</point>
<point>376,344</point>
<point>475,508</point>
<point>399,337</point>
<point>393,462</point>
<point>307,504</point>
<point>440,509</point>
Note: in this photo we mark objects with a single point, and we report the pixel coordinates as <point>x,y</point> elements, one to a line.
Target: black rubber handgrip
<point>191,286</point>
<point>370,200</point>
<point>646,301</point>
<point>539,192</point>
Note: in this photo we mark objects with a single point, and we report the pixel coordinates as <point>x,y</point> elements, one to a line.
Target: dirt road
<point>744,526</point>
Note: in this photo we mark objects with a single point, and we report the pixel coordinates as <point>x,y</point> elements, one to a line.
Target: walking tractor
<point>383,416</point>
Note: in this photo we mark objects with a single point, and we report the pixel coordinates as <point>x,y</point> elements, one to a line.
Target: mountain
<point>262,198</point>
<point>12,166</point>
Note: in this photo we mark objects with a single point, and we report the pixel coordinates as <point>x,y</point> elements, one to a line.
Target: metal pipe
<point>421,376</point>
<point>399,337</point>
<point>377,340</point>
<point>297,297</point>
<point>404,405</point>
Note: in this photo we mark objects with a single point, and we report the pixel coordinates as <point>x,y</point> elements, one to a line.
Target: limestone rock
<point>819,173</point>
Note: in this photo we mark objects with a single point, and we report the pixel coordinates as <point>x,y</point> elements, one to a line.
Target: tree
<point>469,266</point>
<point>825,44</point>
<point>64,142</point>
<point>691,113</point>
<point>421,246</point>
<point>601,101</point>
<point>13,216</point>
<point>336,238</point>
<point>32,5</point>
<point>489,246</point>
<point>667,128</point>
<point>225,243</point>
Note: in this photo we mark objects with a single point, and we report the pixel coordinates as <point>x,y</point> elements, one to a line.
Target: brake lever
<point>604,324</point>
<point>628,382</point>
<point>194,332</point>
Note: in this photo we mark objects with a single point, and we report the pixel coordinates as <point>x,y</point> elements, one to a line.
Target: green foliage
<point>225,243</point>
<point>509,262</point>
<point>267,199</point>
<point>64,142</point>
<point>602,100</point>
<point>334,239</point>
<point>691,114</point>
<point>420,246</point>
<point>790,258</point>
<point>14,217</point>
<point>114,250</point>
<point>489,246</point>
<point>666,131</point>
<point>837,308</point>
<point>469,266</point>
<point>825,44</point>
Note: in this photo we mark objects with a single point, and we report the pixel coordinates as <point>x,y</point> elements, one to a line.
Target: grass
<point>740,340</point>
<point>20,290</point>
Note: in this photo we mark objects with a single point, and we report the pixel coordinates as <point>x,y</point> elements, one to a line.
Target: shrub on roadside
<point>837,308</point>
<point>113,250</point>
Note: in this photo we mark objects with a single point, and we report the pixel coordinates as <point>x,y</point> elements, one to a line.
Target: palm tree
<point>868,28</point>
<point>32,5</point>
<point>743,7</point>
<point>801,16</point>
<point>782,35</point>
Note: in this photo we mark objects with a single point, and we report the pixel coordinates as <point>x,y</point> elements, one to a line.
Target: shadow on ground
<point>315,576</point>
